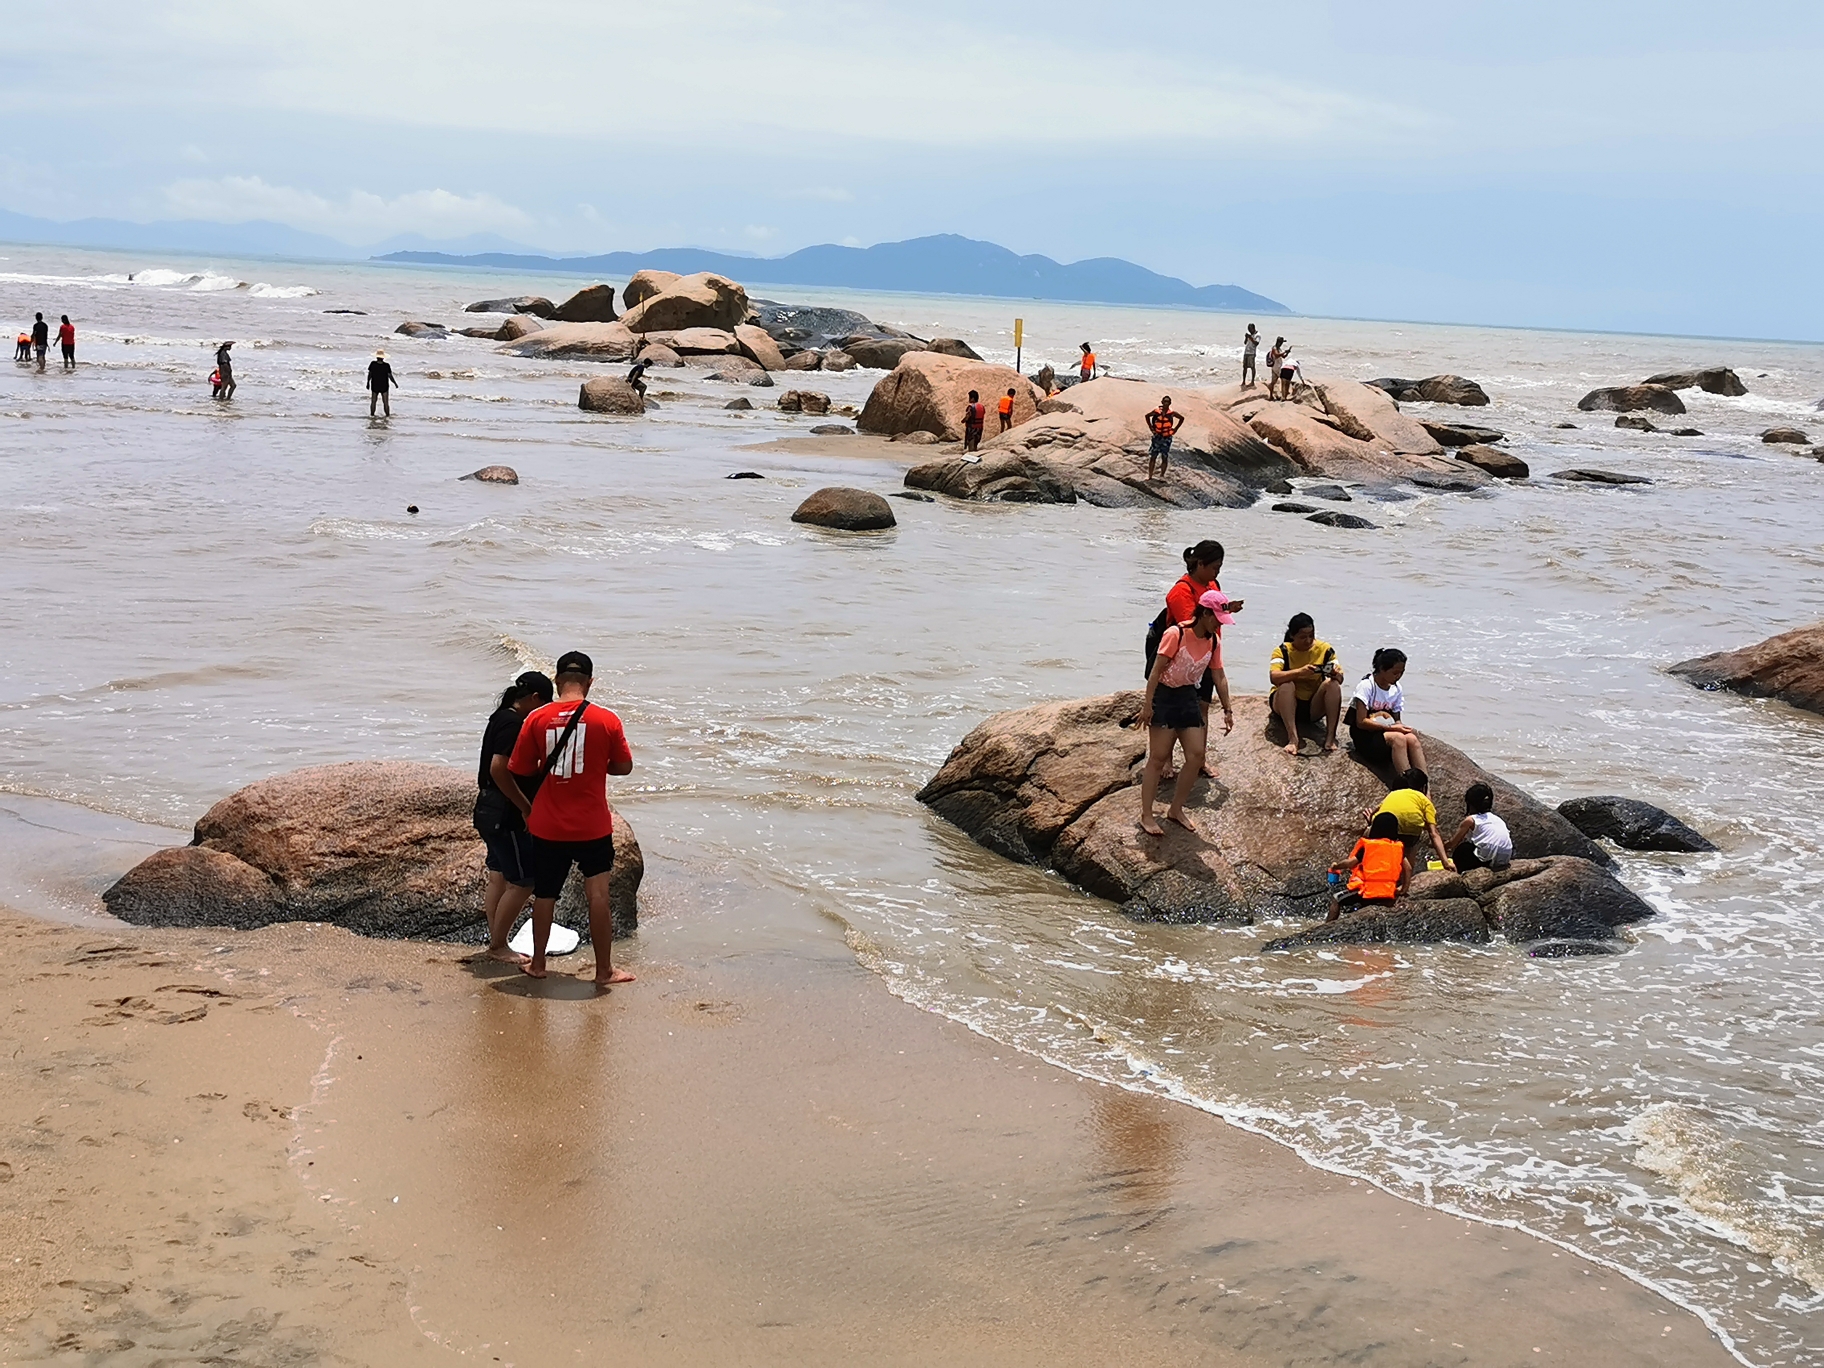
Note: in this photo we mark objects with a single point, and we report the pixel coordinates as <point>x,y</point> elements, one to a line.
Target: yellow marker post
<point>1019,336</point>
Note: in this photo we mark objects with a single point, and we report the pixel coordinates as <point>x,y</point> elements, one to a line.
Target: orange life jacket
<point>1089,362</point>
<point>1377,877</point>
<point>1160,421</point>
<point>973,414</point>
<point>1006,405</point>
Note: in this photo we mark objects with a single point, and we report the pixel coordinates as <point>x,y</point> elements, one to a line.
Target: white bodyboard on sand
<point>563,940</point>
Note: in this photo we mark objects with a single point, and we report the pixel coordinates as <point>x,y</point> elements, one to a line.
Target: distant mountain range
<point>255,238</point>
<point>942,264</point>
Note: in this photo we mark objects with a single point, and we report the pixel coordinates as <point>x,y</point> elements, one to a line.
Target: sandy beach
<point>294,1146</point>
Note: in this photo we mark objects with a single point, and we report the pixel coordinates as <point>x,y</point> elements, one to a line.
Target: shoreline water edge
<point>218,592</point>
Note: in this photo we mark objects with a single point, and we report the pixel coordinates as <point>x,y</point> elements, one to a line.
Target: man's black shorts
<point>551,861</point>
<point>510,855</point>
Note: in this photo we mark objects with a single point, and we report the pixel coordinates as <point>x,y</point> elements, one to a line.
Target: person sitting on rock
<point>1307,683</point>
<point>1164,425</point>
<point>1379,869</point>
<point>975,414</point>
<point>1171,713</point>
<point>1482,840</point>
<point>1417,817</point>
<point>1376,732</point>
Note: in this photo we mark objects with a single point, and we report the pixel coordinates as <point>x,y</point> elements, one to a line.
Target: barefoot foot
<point>1151,827</point>
<point>533,968</point>
<point>1181,819</point>
<point>1290,748</point>
<point>503,955</point>
<point>614,976</point>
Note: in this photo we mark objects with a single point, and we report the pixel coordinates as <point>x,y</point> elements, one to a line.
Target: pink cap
<point>1217,602</point>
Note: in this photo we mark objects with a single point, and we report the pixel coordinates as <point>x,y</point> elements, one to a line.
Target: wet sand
<point>294,1146</point>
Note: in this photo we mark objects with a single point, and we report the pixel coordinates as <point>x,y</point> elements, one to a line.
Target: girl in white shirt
<point>1482,839</point>
<point>1375,729</point>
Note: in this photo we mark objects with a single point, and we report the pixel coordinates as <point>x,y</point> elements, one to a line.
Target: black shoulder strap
<point>562,741</point>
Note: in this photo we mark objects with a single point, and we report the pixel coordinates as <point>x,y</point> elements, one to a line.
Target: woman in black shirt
<point>500,819</point>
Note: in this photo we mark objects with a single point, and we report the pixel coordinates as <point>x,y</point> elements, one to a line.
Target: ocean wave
<point>264,291</point>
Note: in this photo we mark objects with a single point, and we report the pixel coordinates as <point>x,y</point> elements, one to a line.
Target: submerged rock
<point>1712,380</point>
<point>1494,461</point>
<point>1632,398</point>
<point>846,510</point>
<point>383,848</point>
<point>1789,667</point>
<point>1331,517</point>
<point>1293,508</point>
<point>536,305</point>
<point>1586,475</point>
<point>1631,824</point>
<point>1055,785</point>
<point>1334,493</point>
<point>435,332</point>
<point>1635,421</point>
<point>1461,434</point>
<point>494,474</point>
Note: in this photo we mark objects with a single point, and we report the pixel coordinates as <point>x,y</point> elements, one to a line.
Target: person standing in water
<point>1086,367</point>
<point>1250,343</point>
<point>380,383</point>
<point>975,414</point>
<point>500,813</point>
<point>22,349</point>
<point>224,372</point>
<point>636,375</point>
<point>571,746</point>
<point>1164,425</point>
<point>66,341</point>
<point>41,339</point>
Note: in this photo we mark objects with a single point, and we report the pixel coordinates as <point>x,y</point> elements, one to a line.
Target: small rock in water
<point>1686,432</point>
<point>1494,461</point>
<point>1572,426</point>
<point>747,475</point>
<point>361,312</point>
<point>411,508</point>
<point>846,510</point>
<point>1279,487</point>
<point>832,430</point>
<point>1334,493</point>
<point>494,474</point>
<point>1631,824</point>
<point>739,405</point>
<point>1293,508</point>
<point>1635,421</point>
<point>431,330</point>
<point>1611,477</point>
<point>911,494</point>
<point>1448,483</point>
<point>1785,434</point>
<point>1330,517</point>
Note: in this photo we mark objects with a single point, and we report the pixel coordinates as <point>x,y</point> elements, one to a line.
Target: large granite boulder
<point>703,300</point>
<point>1435,389</point>
<point>536,305</point>
<point>1632,399</point>
<point>518,326</point>
<point>1631,824</point>
<point>1789,667</point>
<point>716,342</point>
<point>928,391</point>
<point>846,510</point>
<point>576,341</point>
<point>591,304</point>
<point>610,394</point>
<point>1369,415</point>
<point>1461,434</point>
<point>1055,785</point>
<point>643,285</point>
<point>954,346</point>
<point>383,848</point>
<point>757,345</point>
<point>882,353</point>
<point>1711,380</point>
<point>1494,461</point>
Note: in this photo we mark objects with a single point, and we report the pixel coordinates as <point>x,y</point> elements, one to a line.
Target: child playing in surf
<point>1482,840</point>
<point>1378,868</point>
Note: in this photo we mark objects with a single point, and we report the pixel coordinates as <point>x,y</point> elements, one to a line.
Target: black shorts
<point>510,855</point>
<point>1206,687</point>
<point>1175,708</point>
<point>1370,745</point>
<point>551,861</point>
<point>1306,710</point>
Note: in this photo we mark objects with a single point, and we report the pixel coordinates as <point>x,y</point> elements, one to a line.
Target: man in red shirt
<point>570,820</point>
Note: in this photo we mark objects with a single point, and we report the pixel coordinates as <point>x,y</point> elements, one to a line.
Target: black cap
<point>575,662</point>
<point>534,682</point>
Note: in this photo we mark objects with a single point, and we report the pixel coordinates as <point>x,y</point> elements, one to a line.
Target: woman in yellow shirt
<point>1307,682</point>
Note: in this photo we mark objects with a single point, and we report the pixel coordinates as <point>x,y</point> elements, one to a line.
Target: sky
<point>1614,166</point>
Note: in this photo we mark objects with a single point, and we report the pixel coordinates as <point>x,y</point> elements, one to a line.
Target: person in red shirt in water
<point>975,413</point>
<point>570,821</point>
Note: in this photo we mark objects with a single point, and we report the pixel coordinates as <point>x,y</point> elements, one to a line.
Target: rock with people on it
<point>518,326</point>
<point>1590,475</point>
<point>1632,824</point>
<point>804,401</point>
<point>591,304</point>
<point>1056,785</point>
<point>1781,436</point>
<point>576,341</point>
<point>1435,389</point>
<point>610,394</point>
<point>494,474</point>
<point>382,848</point>
<point>928,391</point>
<point>846,510</point>
<point>536,305</point>
<point>1503,465</point>
<point>703,300</point>
<point>1461,434</point>
<point>1788,667</point>
<point>1632,399</point>
<point>953,346</point>
<point>1711,380</point>
<point>431,331</point>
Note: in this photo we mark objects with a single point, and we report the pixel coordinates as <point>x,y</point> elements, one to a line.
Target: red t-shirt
<point>572,803</point>
<point>1181,598</point>
<point>66,334</point>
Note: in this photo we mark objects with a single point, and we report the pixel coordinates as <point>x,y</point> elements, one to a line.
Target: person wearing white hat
<point>380,382</point>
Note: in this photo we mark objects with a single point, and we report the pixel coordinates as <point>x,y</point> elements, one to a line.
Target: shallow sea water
<point>198,595</point>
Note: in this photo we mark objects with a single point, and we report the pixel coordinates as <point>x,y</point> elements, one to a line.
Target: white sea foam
<point>264,291</point>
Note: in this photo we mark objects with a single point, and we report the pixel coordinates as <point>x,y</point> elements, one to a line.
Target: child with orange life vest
<point>1006,407</point>
<point>1086,368</point>
<point>1164,425</point>
<point>22,350</point>
<point>1378,870</point>
<point>975,413</point>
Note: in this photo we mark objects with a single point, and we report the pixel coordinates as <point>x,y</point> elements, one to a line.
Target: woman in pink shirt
<point>1170,711</point>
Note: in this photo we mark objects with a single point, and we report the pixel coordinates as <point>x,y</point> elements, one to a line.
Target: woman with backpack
<point>1202,565</point>
<point>499,821</point>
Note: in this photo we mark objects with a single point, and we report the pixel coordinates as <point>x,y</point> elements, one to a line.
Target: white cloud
<point>357,217</point>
